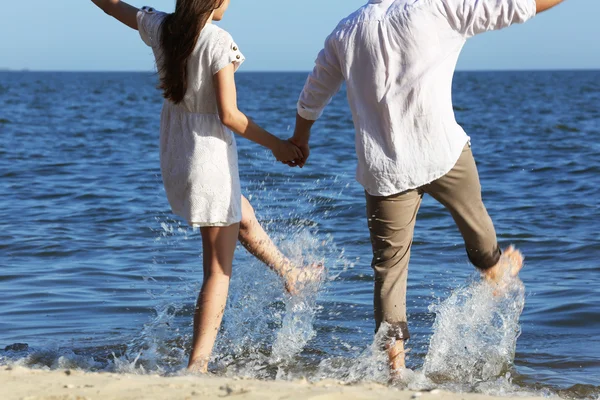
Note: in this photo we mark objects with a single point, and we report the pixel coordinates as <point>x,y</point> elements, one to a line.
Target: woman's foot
<point>509,266</point>
<point>297,278</point>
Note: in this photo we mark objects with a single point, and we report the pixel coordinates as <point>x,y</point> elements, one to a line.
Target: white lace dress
<point>198,154</point>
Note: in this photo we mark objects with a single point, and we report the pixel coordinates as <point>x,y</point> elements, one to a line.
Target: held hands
<point>304,148</point>
<point>287,152</point>
<point>295,151</point>
<point>300,139</point>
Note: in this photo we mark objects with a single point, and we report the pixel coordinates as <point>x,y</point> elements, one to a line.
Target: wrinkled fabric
<point>397,58</point>
<point>198,154</point>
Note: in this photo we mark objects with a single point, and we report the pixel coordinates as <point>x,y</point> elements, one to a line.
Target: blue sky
<point>276,35</point>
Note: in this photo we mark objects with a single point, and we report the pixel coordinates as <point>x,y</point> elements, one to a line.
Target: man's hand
<point>304,148</point>
<point>300,139</point>
<point>543,5</point>
<point>287,152</point>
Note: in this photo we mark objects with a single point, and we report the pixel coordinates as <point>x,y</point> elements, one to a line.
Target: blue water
<point>95,270</point>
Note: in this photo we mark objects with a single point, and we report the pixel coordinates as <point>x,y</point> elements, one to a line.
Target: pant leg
<point>460,192</point>
<point>391,225</point>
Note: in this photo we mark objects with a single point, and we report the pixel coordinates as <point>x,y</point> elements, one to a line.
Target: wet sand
<point>26,384</point>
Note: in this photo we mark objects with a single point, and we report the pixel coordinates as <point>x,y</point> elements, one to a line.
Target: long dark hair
<point>180,32</point>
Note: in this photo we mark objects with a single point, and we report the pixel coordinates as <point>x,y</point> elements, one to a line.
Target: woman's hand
<point>286,152</point>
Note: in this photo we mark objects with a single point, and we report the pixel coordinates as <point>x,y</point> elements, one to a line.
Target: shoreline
<point>27,384</point>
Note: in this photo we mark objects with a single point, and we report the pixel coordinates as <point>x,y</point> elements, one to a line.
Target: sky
<point>275,35</point>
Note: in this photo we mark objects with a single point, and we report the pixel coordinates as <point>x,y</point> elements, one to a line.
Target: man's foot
<point>297,278</point>
<point>508,267</point>
<point>198,367</point>
<point>397,358</point>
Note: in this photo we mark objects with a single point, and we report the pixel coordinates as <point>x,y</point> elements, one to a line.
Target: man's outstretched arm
<point>543,5</point>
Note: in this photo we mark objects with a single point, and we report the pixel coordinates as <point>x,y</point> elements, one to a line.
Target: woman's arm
<point>125,13</point>
<point>239,123</point>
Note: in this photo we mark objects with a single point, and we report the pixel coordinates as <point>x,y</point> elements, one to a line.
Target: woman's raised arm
<point>125,13</point>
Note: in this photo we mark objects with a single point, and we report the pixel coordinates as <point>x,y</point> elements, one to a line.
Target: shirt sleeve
<point>322,84</point>
<point>149,22</point>
<point>471,17</point>
<point>225,52</point>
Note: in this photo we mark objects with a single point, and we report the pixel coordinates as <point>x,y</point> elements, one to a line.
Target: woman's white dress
<point>198,154</point>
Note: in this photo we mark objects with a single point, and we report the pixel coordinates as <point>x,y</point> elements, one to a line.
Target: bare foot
<point>198,367</point>
<point>508,267</point>
<point>296,278</point>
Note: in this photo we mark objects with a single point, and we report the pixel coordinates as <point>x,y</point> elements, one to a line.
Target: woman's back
<point>198,154</point>
<point>214,50</point>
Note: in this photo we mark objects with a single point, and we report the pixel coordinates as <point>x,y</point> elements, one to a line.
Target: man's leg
<point>460,192</point>
<point>391,224</point>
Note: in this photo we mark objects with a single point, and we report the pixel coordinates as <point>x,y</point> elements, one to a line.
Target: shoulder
<point>405,13</point>
<point>215,38</point>
<point>149,22</point>
<point>150,19</point>
<point>351,20</point>
<point>215,34</point>
<point>150,14</point>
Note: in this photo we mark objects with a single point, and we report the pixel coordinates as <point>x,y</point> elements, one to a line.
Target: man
<point>398,58</point>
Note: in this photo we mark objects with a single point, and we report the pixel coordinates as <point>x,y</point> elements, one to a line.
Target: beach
<point>27,384</point>
<point>97,274</point>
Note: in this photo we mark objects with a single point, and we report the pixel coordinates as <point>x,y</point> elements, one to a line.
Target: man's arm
<point>123,12</point>
<point>301,138</point>
<point>543,5</point>
<point>322,84</point>
<point>472,17</point>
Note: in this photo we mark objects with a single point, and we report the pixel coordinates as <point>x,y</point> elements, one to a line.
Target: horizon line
<point>572,69</point>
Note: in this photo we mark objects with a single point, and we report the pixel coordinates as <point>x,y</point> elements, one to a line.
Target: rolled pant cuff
<point>484,261</point>
<point>396,331</point>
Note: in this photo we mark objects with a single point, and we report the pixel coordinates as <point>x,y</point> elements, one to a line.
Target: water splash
<point>264,329</point>
<point>370,365</point>
<point>475,333</point>
<point>297,327</point>
<point>159,348</point>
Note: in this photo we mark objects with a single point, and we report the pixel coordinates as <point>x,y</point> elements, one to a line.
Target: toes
<point>515,260</point>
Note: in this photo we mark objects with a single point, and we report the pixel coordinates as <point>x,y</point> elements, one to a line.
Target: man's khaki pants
<point>391,224</point>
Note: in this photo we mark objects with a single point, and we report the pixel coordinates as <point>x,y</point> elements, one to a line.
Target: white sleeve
<point>471,17</point>
<point>224,52</point>
<point>322,84</point>
<point>149,23</point>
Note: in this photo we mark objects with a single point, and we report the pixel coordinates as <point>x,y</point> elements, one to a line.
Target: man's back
<point>397,58</point>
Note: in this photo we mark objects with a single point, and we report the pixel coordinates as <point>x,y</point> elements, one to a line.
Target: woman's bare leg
<point>218,246</point>
<point>258,243</point>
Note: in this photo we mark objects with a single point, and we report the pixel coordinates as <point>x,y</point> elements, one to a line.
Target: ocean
<point>97,274</point>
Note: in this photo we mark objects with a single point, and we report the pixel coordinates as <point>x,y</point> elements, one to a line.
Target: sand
<point>26,384</point>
